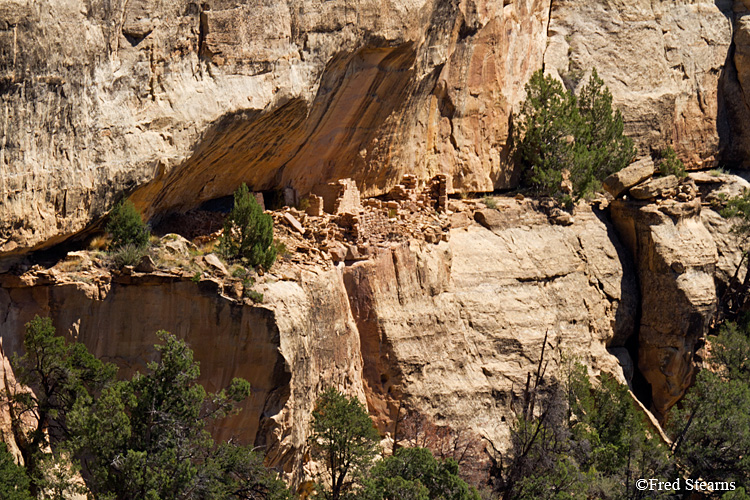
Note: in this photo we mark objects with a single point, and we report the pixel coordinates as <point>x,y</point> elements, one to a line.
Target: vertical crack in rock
<point>676,259</point>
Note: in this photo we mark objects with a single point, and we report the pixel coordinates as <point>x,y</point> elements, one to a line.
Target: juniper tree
<point>248,232</point>
<point>147,437</point>
<point>61,375</point>
<point>558,133</point>
<point>126,226</point>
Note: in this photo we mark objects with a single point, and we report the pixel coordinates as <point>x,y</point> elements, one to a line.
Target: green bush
<point>126,226</point>
<point>558,132</point>
<point>256,297</point>
<point>248,232</point>
<point>669,164</point>
<point>414,473</point>
<point>489,202</point>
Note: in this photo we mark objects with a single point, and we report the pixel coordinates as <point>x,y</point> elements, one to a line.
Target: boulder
<point>294,223</point>
<point>654,188</point>
<point>213,261</point>
<point>619,182</point>
<point>146,265</point>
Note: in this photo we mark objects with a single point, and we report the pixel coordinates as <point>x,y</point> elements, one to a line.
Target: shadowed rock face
<point>282,348</point>
<point>676,258</point>
<point>177,102</point>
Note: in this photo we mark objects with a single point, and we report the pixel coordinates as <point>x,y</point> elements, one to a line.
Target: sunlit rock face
<point>281,347</point>
<point>179,101</point>
<point>449,329</point>
<point>182,100</point>
<point>662,60</point>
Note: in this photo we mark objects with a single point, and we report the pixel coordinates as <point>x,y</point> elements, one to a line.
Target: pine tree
<point>345,440</point>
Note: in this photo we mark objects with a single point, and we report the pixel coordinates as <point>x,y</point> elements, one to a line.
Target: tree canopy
<point>559,136</point>
<point>344,438</point>
<point>143,438</point>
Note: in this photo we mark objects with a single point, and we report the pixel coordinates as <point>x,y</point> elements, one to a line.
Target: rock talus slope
<point>178,101</point>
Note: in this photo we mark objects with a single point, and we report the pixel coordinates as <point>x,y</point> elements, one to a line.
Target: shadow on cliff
<point>733,120</point>
<point>342,133</point>
<point>628,315</point>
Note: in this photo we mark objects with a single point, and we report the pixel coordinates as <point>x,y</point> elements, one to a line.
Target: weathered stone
<point>213,261</point>
<point>297,95</point>
<point>561,218</point>
<point>658,238</point>
<point>462,323</point>
<point>275,347</point>
<point>340,196</point>
<point>146,265</point>
<point>619,182</point>
<point>654,188</point>
<point>489,218</point>
<point>314,206</point>
<point>337,252</point>
<point>293,223</point>
<point>716,188</point>
<point>177,245</point>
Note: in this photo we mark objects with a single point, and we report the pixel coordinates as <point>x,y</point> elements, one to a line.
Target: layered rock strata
<point>178,102</point>
<point>448,328</point>
<point>455,330</point>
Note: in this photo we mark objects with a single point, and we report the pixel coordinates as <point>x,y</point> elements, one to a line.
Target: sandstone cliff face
<point>450,329</point>
<point>676,259</point>
<point>453,330</point>
<point>663,62</point>
<point>282,347</point>
<point>177,102</point>
<point>185,99</point>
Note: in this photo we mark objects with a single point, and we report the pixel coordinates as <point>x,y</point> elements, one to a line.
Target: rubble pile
<point>637,182</point>
<point>325,229</point>
<point>337,225</point>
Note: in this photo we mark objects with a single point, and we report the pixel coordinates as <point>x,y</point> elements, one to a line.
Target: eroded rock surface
<point>663,62</point>
<point>676,259</point>
<point>454,329</point>
<point>281,347</point>
<point>449,328</point>
<point>185,100</point>
<point>178,102</point>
